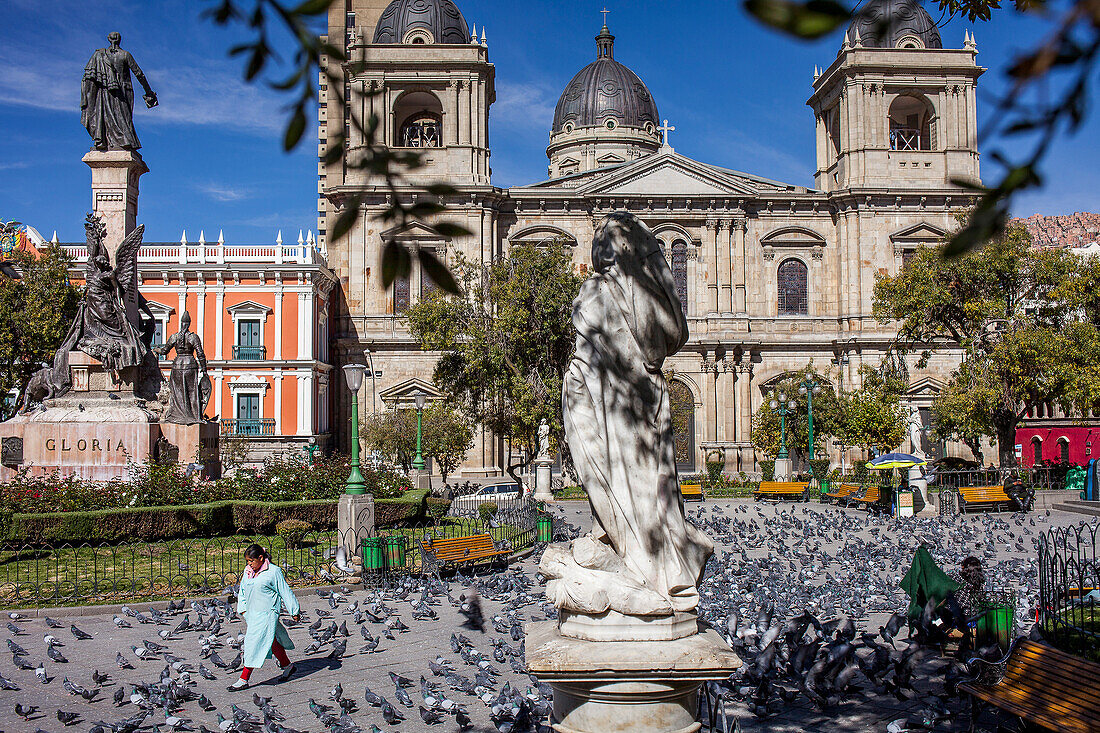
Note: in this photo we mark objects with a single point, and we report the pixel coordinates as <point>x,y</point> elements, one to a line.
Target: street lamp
<point>353,373</point>
<point>418,462</point>
<point>783,407</point>
<point>810,387</point>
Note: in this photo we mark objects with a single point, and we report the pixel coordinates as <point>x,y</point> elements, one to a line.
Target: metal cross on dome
<point>665,128</point>
<point>605,11</point>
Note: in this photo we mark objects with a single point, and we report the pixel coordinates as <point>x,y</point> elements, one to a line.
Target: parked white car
<point>500,493</point>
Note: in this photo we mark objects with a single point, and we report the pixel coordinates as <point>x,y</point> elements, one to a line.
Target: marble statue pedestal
<point>621,686</point>
<point>783,469</point>
<point>919,486</point>
<point>542,479</point>
<point>354,521</point>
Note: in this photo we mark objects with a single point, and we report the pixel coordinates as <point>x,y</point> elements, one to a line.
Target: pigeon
<point>431,717</point>
<point>78,633</point>
<point>122,662</point>
<point>54,624</point>
<point>471,609</point>
<point>99,678</point>
<point>120,696</point>
<point>121,622</point>
<point>15,630</point>
<point>25,711</point>
<point>67,718</point>
<point>6,684</point>
<point>55,655</point>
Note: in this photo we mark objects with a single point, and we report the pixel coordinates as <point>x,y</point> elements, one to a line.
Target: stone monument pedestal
<point>542,479</point>
<point>98,428</point>
<point>919,486</point>
<point>354,521</point>
<point>621,686</point>
<point>784,467</point>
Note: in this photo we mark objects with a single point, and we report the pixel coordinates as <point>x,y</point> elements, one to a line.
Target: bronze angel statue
<point>102,329</point>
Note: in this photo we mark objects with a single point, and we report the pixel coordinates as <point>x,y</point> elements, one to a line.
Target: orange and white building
<point>262,312</point>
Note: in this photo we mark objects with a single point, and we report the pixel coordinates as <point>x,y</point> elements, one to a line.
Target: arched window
<point>912,124</point>
<point>422,131</point>
<point>1036,450</point>
<point>792,288</point>
<point>400,295</point>
<point>1063,450</point>
<point>418,118</point>
<point>680,271</point>
<point>682,407</point>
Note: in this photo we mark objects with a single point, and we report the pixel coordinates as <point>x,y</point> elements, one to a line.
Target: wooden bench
<point>973,498</point>
<point>841,492</point>
<point>1044,686</point>
<point>870,498</point>
<point>692,492</point>
<point>439,553</point>
<point>778,490</point>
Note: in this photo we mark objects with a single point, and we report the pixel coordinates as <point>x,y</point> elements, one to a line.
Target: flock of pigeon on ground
<point>786,589</point>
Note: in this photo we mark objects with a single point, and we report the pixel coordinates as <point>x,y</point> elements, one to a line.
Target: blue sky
<point>734,91</point>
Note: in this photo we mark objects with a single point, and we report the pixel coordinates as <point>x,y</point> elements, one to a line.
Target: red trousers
<point>280,656</point>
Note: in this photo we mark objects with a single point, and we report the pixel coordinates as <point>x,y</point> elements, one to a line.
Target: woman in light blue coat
<point>263,592</point>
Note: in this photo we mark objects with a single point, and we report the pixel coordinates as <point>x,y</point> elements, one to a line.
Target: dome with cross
<point>422,21</point>
<point>605,116</point>
<point>606,93</point>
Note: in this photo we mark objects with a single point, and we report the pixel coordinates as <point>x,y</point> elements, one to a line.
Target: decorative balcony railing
<point>306,251</point>
<point>248,427</point>
<point>249,353</point>
<point>904,138</point>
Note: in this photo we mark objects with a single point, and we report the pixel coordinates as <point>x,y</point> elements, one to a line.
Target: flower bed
<point>156,485</point>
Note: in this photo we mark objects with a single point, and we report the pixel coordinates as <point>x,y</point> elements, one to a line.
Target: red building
<point>1046,434</point>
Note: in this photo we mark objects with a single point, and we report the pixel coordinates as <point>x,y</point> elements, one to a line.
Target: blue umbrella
<point>895,460</point>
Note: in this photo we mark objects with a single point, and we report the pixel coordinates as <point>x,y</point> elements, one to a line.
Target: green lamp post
<point>783,407</point>
<point>418,462</point>
<point>353,373</point>
<point>809,388</point>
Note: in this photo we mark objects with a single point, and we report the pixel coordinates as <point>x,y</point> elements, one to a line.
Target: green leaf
<point>808,20</point>
<point>438,272</point>
<point>395,262</point>
<point>295,128</point>
<point>312,7</point>
<point>441,189</point>
<point>346,220</point>
<point>450,229</point>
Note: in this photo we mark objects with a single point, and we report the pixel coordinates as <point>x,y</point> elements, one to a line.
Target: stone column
<point>709,406</point>
<point>744,399</point>
<point>710,237</point>
<point>740,268</point>
<point>725,285</point>
<point>723,381</point>
<point>115,175</point>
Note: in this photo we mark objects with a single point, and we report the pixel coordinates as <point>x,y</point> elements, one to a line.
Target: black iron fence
<point>41,575</point>
<point>1069,588</point>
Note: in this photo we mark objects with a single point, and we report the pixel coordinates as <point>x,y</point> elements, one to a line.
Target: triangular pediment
<point>403,395</point>
<point>249,308</point>
<point>414,231</point>
<point>922,232</point>
<point>667,175</point>
<point>927,386</point>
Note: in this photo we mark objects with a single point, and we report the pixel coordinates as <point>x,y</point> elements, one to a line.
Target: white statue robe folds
<point>643,557</point>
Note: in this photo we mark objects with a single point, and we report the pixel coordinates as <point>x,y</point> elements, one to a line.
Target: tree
<point>871,417</point>
<point>1024,338</point>
<point>766,429</point>
<point>506,345</point>
<point>35,313</point>
<point>445,436</point>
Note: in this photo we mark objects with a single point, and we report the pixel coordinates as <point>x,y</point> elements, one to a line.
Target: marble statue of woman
<point>642,557</point>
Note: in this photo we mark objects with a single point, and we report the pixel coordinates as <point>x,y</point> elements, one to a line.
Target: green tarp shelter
<point>925,580</point>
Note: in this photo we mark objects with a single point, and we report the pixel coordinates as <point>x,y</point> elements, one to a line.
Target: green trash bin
<point>824,486</point>
<point>396,551</point>
<point>995,627</point>
<point>374,556</point>
<point>544,529</point>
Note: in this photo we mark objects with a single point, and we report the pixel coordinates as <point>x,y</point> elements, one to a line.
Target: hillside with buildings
<point>1072,230</point>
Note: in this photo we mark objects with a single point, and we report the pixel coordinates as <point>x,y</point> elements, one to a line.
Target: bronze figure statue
<point>189,384</point>
<point>107,97</point>
<point>102,329</point>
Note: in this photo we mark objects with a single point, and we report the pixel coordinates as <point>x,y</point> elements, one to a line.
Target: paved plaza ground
<point>800,542</point>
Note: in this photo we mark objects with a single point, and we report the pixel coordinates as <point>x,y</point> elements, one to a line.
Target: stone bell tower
<point>896,108</point>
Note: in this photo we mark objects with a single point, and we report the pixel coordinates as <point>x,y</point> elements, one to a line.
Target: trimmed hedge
<point>223,518</point>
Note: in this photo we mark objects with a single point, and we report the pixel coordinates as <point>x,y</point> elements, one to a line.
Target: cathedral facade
<point>771,275</point>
